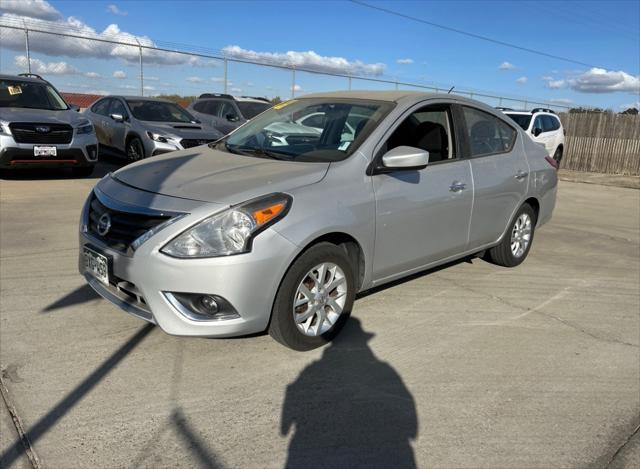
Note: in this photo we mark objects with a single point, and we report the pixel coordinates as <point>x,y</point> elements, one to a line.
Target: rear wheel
<point>515,246</point>
<point>314,299</point>
<point>135,149</point>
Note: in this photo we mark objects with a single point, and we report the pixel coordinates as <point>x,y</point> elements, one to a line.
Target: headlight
<point>231,231</point>
<point>158,137</point>
<point>85,128</point>
<point>4,128</point>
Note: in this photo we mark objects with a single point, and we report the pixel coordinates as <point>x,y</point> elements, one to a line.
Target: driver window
<point>428,128</point>
<point>118,108</point>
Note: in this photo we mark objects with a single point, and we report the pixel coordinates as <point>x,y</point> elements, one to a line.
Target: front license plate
<point>96,264</point>
<point>45,151</point>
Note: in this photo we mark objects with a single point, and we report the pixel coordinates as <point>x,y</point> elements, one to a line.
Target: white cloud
<point>149,88</point>
<point>45,68</point>
<point>116,11</point>
<point>195,80</point>
<point>119,74</point>
<point>522,80</point>
<point>297,88</point>
<point>92,75</point>
<point>236,90</point>
<point>217,79</point>
<point>308,59</point>
<point>55,45</point>
<point>561,101</point>
<point>635,104</point>
<point>146,78</point>
<point>506,66</point>
<point>128,87</point>
<point>552,83</point>
<point>406,61</point>
<point>30,8</point>
<point>599,80</point>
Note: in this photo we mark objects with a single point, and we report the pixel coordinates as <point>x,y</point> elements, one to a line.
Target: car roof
<point>19,78</point>
<point>138,98</point>
<point>395,96</point>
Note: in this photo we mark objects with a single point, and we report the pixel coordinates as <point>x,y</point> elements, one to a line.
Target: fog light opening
<point>202,307</point>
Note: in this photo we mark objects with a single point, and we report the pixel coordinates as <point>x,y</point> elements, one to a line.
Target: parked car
<point>543,126</point>
<point>38,129</point>
<point>137,127</point>
<point>249,234</point>
<point>226,112</point>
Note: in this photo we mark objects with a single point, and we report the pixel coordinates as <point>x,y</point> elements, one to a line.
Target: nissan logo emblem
<point>43,129</point>
<point>104,224</point>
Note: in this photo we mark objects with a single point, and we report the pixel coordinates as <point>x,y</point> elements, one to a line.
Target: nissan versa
<point>270,230</point>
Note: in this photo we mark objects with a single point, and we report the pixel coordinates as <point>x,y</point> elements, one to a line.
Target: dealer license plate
<point>96,264</point>
<point>44,151</point>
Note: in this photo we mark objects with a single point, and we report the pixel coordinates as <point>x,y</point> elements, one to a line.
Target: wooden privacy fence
<point>602,143</point>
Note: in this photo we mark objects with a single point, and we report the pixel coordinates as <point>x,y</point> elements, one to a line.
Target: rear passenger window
<point>549,123</point>
<point>487,134</point>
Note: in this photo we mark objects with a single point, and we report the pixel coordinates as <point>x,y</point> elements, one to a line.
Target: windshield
<point>250,110</point>
<point>31,95</point>
<point>522,120</point>
<point>283,132</point>
<point>158,111</point>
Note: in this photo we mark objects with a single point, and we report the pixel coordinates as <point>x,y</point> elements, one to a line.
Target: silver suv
<point>39,129</point>
<point>255,232</point>
<point>226,112</point>
<point>141,127</point>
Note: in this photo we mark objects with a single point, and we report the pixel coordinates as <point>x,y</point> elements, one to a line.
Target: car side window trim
<point>465,133</point>
<point>456,150</point>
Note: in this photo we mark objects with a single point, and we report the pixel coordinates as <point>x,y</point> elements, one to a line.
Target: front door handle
<point>457,186</point>
<point>521,175</point>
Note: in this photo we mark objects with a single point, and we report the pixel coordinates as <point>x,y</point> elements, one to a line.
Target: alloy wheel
<point>521,235</point>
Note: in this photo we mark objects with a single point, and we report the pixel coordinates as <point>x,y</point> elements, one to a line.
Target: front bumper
<point>82,151</point>
<point>248,282</point>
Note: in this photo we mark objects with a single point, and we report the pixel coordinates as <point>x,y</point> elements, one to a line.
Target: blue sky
<point>603,35</point>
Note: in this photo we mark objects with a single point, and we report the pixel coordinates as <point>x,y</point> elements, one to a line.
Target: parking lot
<point>471,365</point>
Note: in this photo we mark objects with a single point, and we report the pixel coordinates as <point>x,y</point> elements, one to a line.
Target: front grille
<point>41,133</point>
<point>125,228</point>
<point>190,142</point>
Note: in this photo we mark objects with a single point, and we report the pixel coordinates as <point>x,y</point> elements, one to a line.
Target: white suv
<point>543,126</point>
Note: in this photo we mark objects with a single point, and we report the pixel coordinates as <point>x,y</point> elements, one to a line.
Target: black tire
<point>82,171</point>
<point>502,253</point>
<point>558,155</point>
<point>282,326</point>
<point>135,149</point>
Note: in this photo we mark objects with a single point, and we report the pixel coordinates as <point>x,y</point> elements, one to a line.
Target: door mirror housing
<point>117,117</point>
<point>537,131</point>
<point>404,158</point>
<point>231,117</point>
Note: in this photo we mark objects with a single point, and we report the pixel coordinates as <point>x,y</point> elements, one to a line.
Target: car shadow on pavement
<point>48,421</point>
<point>349,409</point>
<point>80,295</point>
<point>105,165</point>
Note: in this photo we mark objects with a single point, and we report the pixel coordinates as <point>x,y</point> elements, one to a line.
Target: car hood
<point>179,130</point>
<point>17,114</point>
<point>209,175</point>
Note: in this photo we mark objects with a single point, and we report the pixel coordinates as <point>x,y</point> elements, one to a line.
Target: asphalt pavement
<point>470,366</point>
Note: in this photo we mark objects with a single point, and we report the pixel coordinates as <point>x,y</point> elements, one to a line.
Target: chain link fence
<point>112,62</point>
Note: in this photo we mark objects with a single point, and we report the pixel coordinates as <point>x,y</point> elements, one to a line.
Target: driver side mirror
<point>117,117</point>
<point>404,158</point>
<point>537,131</point>
<point>231,117</point>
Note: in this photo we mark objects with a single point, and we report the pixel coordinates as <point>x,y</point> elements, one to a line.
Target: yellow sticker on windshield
<point>14,90</point>
<point>279,106</point>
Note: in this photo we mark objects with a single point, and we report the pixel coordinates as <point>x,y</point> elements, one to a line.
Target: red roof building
<point>80,99</point>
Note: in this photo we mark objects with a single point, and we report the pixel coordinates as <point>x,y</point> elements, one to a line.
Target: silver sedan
<point>275,229</point>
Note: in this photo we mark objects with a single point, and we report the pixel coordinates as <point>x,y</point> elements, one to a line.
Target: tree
<point>276,100</point>
<point>632,111</point>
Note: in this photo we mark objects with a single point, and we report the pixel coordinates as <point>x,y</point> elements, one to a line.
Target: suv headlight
<point>231,231</point>
<point>158,138</point>
<point>84,128</point>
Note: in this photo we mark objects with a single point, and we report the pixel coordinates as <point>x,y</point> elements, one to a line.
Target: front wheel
<point>135,149</point>
<point>515,246</point>
<point>314,299</point>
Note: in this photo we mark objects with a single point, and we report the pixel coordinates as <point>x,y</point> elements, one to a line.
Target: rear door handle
<point>457,186</point>
<point>521,175</point>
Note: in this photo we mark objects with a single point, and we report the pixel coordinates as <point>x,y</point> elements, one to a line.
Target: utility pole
<point>141,69</point>
<point>226,67</point>
<point>26,32</point>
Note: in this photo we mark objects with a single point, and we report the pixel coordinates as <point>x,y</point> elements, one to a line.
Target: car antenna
<point>451,89</point>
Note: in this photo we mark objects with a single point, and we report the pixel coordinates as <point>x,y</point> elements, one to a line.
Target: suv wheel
<point>515,246</point>
<point>135,149</point>
<point>558,155</point>
<point>314,299</point>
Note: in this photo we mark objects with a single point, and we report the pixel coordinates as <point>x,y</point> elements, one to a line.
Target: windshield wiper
<point>256,151</point>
